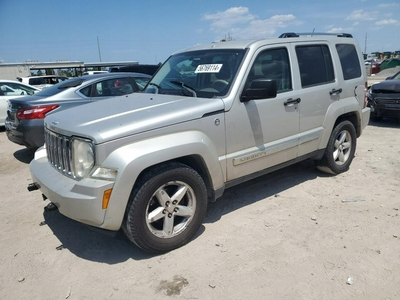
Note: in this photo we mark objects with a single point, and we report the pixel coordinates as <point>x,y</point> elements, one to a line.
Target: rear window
<point>59,87</point>
<point>349,61</point>
<point>315,63</point>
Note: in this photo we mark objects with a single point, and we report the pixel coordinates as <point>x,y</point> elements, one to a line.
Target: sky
<point>151,30</point>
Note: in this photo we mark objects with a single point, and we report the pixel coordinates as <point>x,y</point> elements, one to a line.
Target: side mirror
<point>260,89</point>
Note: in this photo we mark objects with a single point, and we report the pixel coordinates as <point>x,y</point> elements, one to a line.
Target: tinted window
<point>349,61</point>
<point>36,81</point>
<point>59,87</point>
<point>272,64</point>
<point>46,80</point>
<point>315,63</point>
<point>146,69</point>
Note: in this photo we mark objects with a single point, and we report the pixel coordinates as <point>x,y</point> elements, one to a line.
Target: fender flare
<point>343,108</point>
<point>132,159</point>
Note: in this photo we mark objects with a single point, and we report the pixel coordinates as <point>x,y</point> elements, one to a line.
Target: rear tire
<point>166,208</point>
<point>339,152</point>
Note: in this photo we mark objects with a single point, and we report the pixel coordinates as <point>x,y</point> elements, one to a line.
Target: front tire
<point>165,208</point>
<point>339,152</point>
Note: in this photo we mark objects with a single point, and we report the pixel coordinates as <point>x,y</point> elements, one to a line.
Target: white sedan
<point>10,89</point>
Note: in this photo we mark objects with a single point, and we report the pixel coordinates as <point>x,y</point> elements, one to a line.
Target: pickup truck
<point>211,117</point>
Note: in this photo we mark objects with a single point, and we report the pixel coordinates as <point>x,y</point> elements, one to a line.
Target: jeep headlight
<point>82,157</point>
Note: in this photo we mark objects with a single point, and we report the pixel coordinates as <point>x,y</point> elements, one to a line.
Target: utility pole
<point>98,46</point>
<point>365,45</point>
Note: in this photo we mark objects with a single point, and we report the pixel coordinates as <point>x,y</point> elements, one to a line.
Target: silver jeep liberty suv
<point>211,117</point>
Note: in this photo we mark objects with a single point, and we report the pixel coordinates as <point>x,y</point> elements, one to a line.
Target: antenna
<point>98,46</point>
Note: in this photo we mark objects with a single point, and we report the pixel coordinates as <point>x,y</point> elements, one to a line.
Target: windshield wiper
<point>185,86</point>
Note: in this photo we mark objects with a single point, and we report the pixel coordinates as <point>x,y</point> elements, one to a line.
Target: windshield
<point>59,87</point>
<point>205,74</point>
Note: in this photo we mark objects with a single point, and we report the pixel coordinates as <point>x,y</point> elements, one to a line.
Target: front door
<point>263,133</point>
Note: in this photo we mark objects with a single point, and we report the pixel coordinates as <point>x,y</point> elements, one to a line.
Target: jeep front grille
<point>59,153</point>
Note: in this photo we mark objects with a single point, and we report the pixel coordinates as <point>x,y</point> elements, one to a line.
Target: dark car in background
<point>384,99</point>
<point>25,116</point>
<point>146,69</point>
<point>394,76</point>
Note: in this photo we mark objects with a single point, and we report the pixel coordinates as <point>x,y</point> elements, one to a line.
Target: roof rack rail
<point>292,34</point>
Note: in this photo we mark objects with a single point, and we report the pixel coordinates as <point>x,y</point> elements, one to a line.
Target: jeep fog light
<point>82,157</point>
<point>104,173</point>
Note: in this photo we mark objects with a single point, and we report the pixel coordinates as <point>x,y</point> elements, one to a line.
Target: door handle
<point>338,91</point>
<point>291,101</point>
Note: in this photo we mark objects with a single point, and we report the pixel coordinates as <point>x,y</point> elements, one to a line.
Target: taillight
<point>37,112</point>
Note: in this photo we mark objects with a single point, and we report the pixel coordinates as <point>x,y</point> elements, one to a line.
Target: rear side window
<point>349,61</point>
<point>315,63</point>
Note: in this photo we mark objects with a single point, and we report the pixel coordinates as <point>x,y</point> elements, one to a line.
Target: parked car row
<point>25,115</point>
<point>10,89</point>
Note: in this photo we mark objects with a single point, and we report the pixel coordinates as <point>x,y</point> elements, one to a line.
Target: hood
<point>387,86</point>
<point>121,116</point>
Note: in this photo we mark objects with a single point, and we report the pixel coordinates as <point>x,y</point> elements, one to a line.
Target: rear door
<point>318,89</point>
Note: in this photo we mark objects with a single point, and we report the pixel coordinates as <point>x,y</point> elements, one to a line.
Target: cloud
<point>387,22</point>
<point>241,24</point>
<point>340,30</point>
<point>226,19</point>
<point>361,15</point>
<point>385,5</point>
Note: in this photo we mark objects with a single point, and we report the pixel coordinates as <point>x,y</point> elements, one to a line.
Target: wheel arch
<point>343,110</point>
<point>193,149</point>
<point>194,161</point>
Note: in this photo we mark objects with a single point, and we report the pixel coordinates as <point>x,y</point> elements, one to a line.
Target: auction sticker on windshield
<point>208,68</point>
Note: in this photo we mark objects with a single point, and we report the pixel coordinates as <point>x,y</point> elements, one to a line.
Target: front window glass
<point>204,74</point>
<point>112,87</point>
<point>272,64</point>
<point>141,82</point>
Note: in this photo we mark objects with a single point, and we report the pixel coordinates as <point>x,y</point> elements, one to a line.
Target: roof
<point>285,38</point>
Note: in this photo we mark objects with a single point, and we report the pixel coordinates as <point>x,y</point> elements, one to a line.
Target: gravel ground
<point>293,234</point>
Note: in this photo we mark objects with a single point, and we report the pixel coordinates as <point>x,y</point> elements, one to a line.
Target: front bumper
<point>78,200</point>
<point>386,107</point>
